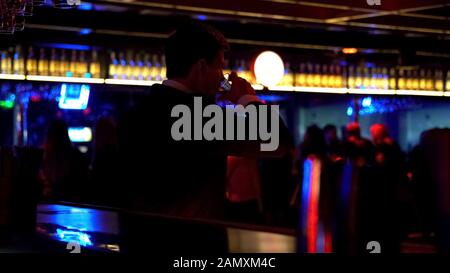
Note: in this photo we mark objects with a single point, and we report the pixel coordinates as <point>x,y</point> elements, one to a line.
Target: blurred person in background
<point>64,171</point>
<point>334,145</point>
<point>317,193</point>
<point>389,190</point>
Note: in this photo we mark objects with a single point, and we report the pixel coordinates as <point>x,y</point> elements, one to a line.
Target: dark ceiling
<point>393,27</point>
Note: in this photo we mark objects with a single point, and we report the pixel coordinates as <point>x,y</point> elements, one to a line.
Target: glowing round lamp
<point>269,68</point>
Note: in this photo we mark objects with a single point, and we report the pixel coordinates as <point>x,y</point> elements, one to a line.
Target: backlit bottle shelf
<point>371,91</point>
<point>130,82</point>
<point>64,79</point>
<point>12,77</point>
<point>258,87</point>
<point>328,90</point>
<point>422,93</point>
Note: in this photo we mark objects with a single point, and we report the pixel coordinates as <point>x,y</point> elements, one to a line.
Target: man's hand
<point>239,88</point>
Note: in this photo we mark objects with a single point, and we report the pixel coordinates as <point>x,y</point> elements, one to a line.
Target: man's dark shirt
<point>182,178</point>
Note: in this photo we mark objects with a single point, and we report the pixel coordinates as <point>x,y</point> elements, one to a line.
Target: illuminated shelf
<point>420,93</point>
<point>64,79</point>
<point>371,91</point>
<point>326,90</point>
<point>258,87</point>
<point>131,82</point>
<point>12,77</point>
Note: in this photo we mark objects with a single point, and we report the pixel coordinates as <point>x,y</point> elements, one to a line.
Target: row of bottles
<point>309,75</point>
<point>422,80</point>
<point>62,62</point>
<point>50,62</point>
<point>12,61</point>
<point>371,78</point>
<point>129,65</point>
<point>361,77</point>
<point>140,66</point>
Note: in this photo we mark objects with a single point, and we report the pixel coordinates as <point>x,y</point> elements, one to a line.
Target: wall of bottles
<point>148,66</point>
<point>50,62</point>
<point>131,65</point>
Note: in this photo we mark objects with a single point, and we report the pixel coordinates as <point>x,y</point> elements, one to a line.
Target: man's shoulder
<point>153,97</point>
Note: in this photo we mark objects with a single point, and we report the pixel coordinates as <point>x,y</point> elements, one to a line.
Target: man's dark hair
<point>190,43</point>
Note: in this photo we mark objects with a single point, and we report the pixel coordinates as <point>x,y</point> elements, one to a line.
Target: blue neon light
<point>271,98</point>
<point>74,96</point>
<point>66,46</point>
<point>80,134</point>
<point>74,236</point>
<point>349,111</point>
<point>366,102</point>
<point>85,31</point>
<point>86,6</point>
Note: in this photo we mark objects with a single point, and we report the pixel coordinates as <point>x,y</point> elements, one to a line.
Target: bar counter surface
<point>77,227</point>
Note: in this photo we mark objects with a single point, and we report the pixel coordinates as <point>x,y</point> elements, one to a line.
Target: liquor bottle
<point>309,75</point>
<point>374,81</point>
<point>113,66</point>
<point>129,69</point>
<point>317,75</point>
<point>31,62</point>
<point>401,80</point>
<point>163,68</point>
<point>82,66</point>
<point>392,79</point>
<point>94,65</point>
<point>301,76</point>
<point>367,78</point>
<point>415,80</point>
<point>429,81</point>
<point>146,73</point>
<point>422,80</point>
<point>377,79</point>
<point>138,68</point>
<point>43,63</point>
<point>351,77</point>
<point>73,64</point>
<point>54,64</point>
<point>121,68</point>
<point>385,80</point>
<point>332,76</point>
<point>438,80</point>
<point>64,65</point>
<point>18,62</point>
<point>4,63</point>
<point>359,77</point>
<point>324,77</point>
<point>156,68</point>
<point>408,80</point>
<point>288,78</point>
<point>447,83</point>
<point>339,81</point>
